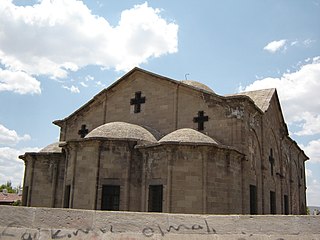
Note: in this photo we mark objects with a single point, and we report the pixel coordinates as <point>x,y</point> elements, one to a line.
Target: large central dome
<point>198,85</point>
<point>122,131</point>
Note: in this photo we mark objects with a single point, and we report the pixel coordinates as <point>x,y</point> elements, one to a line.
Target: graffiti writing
<point>150,231</point>
<point>6,233</point>
<point>60,234</point>
<point>57,234</point>
<point>12,231</point>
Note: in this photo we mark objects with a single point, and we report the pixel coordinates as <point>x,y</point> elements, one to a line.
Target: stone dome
<point>52,148</point>
<point>187,135</point>
<point>122,131</point>
<point>197,85</point>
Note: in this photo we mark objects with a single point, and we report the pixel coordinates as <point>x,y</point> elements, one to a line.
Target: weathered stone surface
<point>122,130</point>
<point>54,147</point>
<point>187,135</point>
<point>240,161</point>
<point>44,223</point>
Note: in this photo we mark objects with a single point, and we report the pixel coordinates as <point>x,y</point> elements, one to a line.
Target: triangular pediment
<point>131,75</point>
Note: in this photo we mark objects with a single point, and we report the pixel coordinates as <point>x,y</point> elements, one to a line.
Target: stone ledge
<point>50,223</point>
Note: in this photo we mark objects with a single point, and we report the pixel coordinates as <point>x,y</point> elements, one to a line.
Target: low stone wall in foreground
<point>49,223</point>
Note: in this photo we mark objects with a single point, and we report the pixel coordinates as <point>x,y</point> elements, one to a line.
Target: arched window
<point>271,160</point>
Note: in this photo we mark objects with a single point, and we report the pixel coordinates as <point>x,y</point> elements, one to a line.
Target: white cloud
<point>313,150</point>
<point>100,84</point>
<point>54,37</point>
<point>313,190</point>
<point>275,46</point>
<point>11,166</point>
<point>308,42</point>
<point>18,82</point>
<point>299,95</point>
<point>302,43</point>
<point>308,173</point>
<point>10,137</point>
<point>309,122</point>
<point>72,89</point>
<point>83,84</point>
<point>89,78</point>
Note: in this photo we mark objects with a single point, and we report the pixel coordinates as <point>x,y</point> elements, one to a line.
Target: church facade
<point>151,143</point>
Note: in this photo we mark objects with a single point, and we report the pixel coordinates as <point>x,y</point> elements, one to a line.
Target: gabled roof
<point>189,84</point>
<point>261,97</point>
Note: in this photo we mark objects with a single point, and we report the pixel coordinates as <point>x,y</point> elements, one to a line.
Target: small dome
<point>52,148</point>
<point>123,131</point>
<point>187,135</point>
<point>197,85</point>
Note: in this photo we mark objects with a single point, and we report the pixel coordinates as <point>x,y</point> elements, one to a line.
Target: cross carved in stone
<point>271,160</point>
<point>83,131</point>
<point>200,119</point>
<point>137,101</point>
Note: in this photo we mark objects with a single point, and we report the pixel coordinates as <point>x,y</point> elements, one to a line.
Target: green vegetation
<point>9,187</point>
<point>308,211</point>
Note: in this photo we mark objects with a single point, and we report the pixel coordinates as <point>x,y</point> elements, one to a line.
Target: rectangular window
<point>25,196</point>
<point>273,209</point>
<point>286,204</point>
<point>110,197</point>
<point>66,201</point>
<point>155,198</point>
<point>253,199</point>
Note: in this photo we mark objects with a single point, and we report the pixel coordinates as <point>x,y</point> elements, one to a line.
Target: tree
<point>308,211</point>
<point>8,186</point>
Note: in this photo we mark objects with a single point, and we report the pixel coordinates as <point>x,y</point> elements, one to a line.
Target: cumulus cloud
<point>55,37</point>
<point>299,95</point>
<point>313,190</point>
<point>275,46</point>
<point>313,150</point>
<point>18,82</point>
<point>10,137</point>
<point>11,166</point>
<point>72,89</point>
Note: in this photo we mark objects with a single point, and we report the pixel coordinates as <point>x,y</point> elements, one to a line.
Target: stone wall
<point>168,106</point>
<point>45,223</point>
<point>43,179</point>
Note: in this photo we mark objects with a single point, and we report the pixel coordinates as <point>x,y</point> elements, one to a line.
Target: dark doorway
<point>253,200</point>
<point>273,208</point>
<point>155,198</point>
<point>66,201</point>
<point>286,204</point>
<point>110,197</point>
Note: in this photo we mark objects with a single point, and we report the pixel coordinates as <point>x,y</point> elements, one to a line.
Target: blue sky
<point>56,55</point>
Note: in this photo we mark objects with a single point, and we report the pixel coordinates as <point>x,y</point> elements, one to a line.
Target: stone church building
<point>151,143</point>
